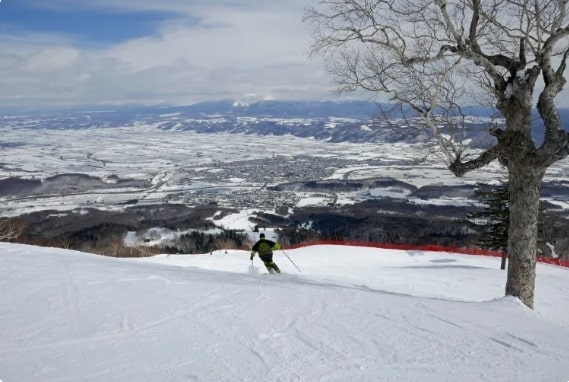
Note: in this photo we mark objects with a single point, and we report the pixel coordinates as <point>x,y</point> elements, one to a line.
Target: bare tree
<point>435,55</point>
<point>11,228</point>
<point>224,244</point>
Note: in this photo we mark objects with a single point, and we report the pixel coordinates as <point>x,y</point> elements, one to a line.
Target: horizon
<point>236,103</point>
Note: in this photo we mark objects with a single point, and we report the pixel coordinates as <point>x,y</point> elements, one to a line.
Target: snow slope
<point>358,314</point>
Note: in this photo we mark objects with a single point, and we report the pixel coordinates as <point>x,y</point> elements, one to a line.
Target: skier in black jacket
<point>265,248</point>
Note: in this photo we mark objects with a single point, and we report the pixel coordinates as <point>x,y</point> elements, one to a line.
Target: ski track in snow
<point>68,316</point>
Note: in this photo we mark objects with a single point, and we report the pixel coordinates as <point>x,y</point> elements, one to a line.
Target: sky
<point>147,51</point>
<point>112,52</point>
<point>350,313</point>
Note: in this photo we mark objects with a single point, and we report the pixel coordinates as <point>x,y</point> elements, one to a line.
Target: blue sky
<point>65,52</point>
<point>88,26</point>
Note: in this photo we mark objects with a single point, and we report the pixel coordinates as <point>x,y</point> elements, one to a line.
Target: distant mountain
<point>363,110</point>
<point>346,121</point>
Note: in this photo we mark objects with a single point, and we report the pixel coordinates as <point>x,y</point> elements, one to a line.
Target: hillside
<point>345,121</point>
<point>359,314</point>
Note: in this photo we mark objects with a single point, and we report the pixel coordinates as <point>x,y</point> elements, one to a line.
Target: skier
<point>265,248</point>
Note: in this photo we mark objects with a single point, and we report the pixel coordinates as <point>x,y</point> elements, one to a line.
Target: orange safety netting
<point>428,247</point>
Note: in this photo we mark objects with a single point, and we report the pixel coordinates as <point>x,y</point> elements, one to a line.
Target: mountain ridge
<point>334,121</point>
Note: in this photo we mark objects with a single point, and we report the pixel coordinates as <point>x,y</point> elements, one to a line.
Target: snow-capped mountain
<point>348,121</point>
<point>354,121</point>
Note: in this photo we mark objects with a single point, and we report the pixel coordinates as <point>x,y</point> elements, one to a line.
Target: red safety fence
<point>428,247</point>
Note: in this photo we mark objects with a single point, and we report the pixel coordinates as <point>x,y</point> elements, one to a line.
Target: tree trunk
<point>524,175</point>
<point>522,242</point>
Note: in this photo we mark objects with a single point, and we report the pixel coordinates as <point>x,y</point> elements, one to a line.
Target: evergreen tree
<point>494,218</point>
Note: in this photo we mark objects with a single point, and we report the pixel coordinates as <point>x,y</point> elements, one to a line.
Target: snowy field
<point>352,314</point>
<point>177,161</point>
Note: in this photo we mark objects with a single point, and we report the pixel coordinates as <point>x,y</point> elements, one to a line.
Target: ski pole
<point>291,260</point>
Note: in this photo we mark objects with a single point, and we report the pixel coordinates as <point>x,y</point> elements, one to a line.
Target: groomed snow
<point>353,314</point>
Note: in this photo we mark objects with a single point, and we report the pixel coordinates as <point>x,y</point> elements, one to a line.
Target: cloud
<point>199,50</point>
<point>52,59</point>
<point>202,52</point>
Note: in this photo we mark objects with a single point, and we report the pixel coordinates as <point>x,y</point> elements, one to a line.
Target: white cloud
<point>52,59</point>
<point>206,50</point>
<point>229,52</point>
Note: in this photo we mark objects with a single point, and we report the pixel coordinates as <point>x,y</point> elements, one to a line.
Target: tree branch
<point>459,168</point>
